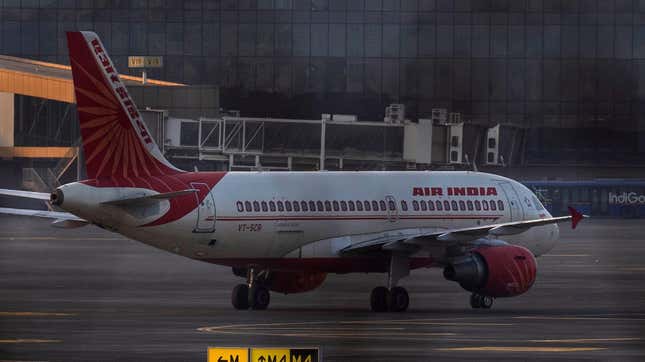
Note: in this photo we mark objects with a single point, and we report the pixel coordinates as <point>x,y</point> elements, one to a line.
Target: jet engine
<point>295,282</point>
<point>495,271</point>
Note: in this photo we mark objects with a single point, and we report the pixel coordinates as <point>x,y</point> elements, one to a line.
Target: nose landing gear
<point>252,295</point>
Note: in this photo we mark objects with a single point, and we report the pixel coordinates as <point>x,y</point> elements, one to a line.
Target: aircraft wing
<point>27,194</point>
<point>463,235</point>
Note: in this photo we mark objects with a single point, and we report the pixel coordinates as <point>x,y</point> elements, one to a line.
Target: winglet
<point>576,216</point>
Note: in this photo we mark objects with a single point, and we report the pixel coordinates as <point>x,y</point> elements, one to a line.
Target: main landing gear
<point>392,298</point>
<point>481,301</point>
<point>252,295</point>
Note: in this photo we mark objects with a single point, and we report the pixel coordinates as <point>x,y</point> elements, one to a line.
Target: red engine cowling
<point>295,282</point>
<point>496,271</point>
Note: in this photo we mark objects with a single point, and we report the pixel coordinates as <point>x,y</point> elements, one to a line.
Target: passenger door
<point>392,212</point>
<point>515,206</point>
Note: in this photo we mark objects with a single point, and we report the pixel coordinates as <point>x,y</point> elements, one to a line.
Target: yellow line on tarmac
<point>35,314</point>
<point>27,340</point>
<point>520,349</point>
<point>581,318</point>
<point>583,340</point>
<point>568,255</point>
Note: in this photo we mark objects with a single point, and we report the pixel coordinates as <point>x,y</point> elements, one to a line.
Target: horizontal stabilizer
<point>27,194</point>
<point>59,216</point>
<point>142,200</point>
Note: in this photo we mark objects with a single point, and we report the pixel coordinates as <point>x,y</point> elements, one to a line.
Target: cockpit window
<point>537,203</point>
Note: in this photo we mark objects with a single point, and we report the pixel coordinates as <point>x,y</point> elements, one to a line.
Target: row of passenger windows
<point>381,205</point>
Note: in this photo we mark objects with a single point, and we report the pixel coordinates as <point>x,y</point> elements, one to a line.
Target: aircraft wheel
<point>475,301</point>
<point>240,297</point>
<point>379,298</point>
<point>399,299</point>
<point>259,297</point>
<point>486,302</point>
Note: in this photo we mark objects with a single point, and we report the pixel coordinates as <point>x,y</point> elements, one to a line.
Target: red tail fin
<point>115,139</point>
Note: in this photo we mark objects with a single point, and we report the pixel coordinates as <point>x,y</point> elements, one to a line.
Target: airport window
<point>343,205</point>
<point>484,205</point>
<point>446,205</point>
<point>256,206</point>
<point>312,206</point>
<point>415,205</point>
<point>478,205</point>
<point>280,206</point>
<point>500,205</point>
<point>320,206</point>
<point>272,206</point>
<point>303,206</point>
<point>424,206</point>
<point>359,206</point>
<point>454,206</point>
<point>382,205</point>
<point>287,205</point>
<point>469,204</point>
<point>391,205</point>
<point>367,206</point>
<point>492,205</point>
<point>265,208</point>
<point>335,204</point>
<point>327,206</point>
<point>247,206</point>
<point>462,205</point>
<point>439,206</point>
<point>296,206</point>
<point>351,205</point>
<point>240,206</point>
<point>404,205</point>
<point>430,205</point>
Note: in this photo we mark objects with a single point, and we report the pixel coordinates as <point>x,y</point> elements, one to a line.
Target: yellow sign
<point>216,354</point>
<point>145,62</point>
<point>284,355</point>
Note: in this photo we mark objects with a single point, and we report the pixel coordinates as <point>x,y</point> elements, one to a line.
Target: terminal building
<point>540,89</point>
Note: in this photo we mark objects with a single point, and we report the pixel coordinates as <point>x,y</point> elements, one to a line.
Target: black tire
<point>259,297</point>
<point>398,300</point>
<point>475,301</point>
<point>486,302</point>
<point>379,298</point>
<point>240,297</point>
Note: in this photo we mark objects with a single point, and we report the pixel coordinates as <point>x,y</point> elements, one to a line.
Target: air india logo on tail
<point>119,88</point>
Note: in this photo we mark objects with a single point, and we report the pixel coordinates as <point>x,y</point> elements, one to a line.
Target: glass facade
<point>574,65</point>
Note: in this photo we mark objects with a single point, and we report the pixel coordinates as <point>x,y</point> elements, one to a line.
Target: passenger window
<point>256,206</point>
<point>312,206</point>
<point>381,204</point>
<point>351,205</point>
<point>320,206</point>
<point>415,205</point>
<point>424,206</point>
<point>240,206</point>
<point>335,203</point>
<point>453,203</point>
<point>287,205</point>
<point>296,206</point>
<point>446,205</point>
<point>391,205</point>
<point>272,206</point>
<point>485,205</point>
<point>265,208</point>
<point>367,206</point>
<point>359,206</point>
<point>303,206</point>
<point>247,206</point>
<point>469,204</point>
<point>500,205</point>
<point>439,206</point>
<point>492,205</point>
<point>343,205</point>
<point>430,205</point>
<point>327,206</point>
<point>404,205</point>
<point>478,205</point>
<point>462,205</point>
<point>280,206</point>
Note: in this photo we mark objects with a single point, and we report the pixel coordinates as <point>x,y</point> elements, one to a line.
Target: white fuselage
<point>253,214</point>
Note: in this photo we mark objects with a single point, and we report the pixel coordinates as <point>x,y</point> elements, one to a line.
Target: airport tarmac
<point>87,294</point>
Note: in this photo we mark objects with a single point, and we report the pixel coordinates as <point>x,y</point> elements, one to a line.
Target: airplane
<point>285,231</point>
